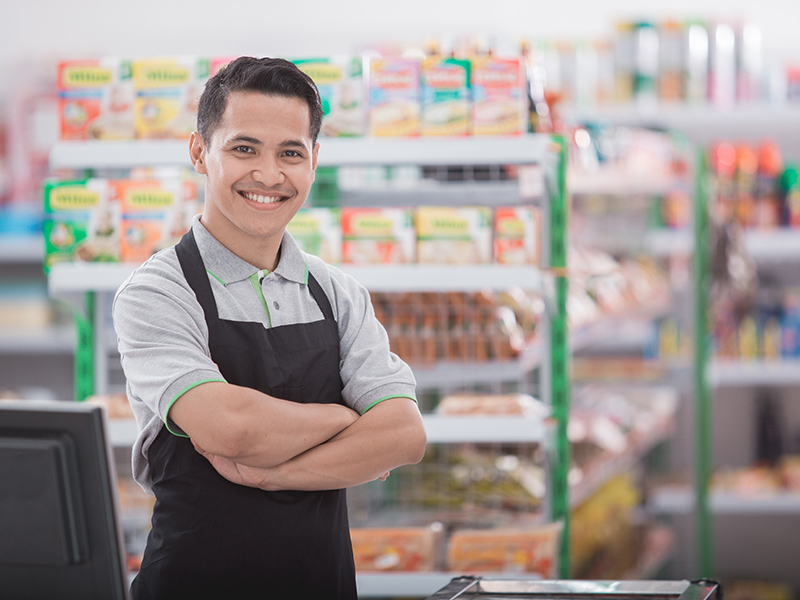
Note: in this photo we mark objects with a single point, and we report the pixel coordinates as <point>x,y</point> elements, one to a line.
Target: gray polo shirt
<point>163,337</point>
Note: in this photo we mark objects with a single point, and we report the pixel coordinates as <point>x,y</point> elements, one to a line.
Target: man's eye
<point>243,149</point>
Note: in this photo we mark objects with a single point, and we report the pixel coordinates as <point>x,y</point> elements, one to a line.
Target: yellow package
<point>445,96</point>
<point>377,235</point>
<point>167,93</point>
<point>459,235</point>
<point>340,80</point>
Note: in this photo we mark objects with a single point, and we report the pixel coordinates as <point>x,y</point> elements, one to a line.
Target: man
<point>261,381</point>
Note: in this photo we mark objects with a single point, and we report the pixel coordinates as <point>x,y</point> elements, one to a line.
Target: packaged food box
<point>340,80</point>
<point>96,99</point>
<point>396,549</point>
<point>445,96</point>
<point>81,222</point>
<point>318,231</point>
<point>167,94</point>
<point>517,235</point>
<point>454,235</point>
<point>377,235</point>
<point>155,215</point>
<point>524,550</point>
<point>394,96</point>
<point>499,99</point>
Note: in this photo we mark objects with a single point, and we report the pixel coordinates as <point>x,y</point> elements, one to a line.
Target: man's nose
<point>269,171</point>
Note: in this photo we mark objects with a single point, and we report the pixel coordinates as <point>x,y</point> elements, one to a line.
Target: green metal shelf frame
<point>703,425</point>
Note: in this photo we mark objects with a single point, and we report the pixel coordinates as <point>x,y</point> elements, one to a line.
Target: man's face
<point>259,167</point>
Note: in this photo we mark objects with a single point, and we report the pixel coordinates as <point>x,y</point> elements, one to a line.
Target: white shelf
<point>333,152</point>
<point>440,430</point>
<point>680,500</point>
<point>754,373</point>
<point>21,249</point>
<point>666,242</point>
<point>607,181</point>
<point>771,246</point>
<point>45,341</point>
<point>107,277</point>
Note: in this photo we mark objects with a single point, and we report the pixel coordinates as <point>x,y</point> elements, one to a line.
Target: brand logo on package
<point>86,77</point>
<point>446,77</point>
<point>73,198</point>
<point>322,73</point>
<point>149,199</point>
<point>158,75</point>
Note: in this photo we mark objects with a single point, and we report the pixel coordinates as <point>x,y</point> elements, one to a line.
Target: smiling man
<point>261,381</point>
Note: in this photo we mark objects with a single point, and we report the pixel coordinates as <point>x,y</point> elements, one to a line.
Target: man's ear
<point>314,155</point>
<point>197,152</point>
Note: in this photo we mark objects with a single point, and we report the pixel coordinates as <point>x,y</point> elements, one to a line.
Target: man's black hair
<point>266,75</point>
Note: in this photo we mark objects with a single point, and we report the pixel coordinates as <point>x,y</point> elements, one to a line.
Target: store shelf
<point>767,246</point>
<point>333,152</point>
<point>21,249</point>
<point>607,181</point>
<point>392,585</point>
<point>107,277</point>
<point>48,340</point>
<point>440,430</point>
<point>680,500</point>
<point>729,373</point>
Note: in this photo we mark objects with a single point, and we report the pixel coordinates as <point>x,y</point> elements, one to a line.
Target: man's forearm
<point>252,428</point>
<point>388,436</point>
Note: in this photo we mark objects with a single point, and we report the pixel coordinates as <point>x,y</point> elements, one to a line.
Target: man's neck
<point>262,253</point>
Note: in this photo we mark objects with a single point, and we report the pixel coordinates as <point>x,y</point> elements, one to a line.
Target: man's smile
<point>262,199</point>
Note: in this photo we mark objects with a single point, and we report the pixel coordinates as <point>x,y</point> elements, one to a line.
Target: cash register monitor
<point>60,535</point>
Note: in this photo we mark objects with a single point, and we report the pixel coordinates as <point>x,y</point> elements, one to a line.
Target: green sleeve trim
<point>215,277</point>
<point>167,422</point>
<point>305,275</point>
<point>379,400</point>
<point>257,287</point>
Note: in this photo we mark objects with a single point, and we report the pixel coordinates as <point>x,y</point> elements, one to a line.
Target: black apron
<point>214,539</point>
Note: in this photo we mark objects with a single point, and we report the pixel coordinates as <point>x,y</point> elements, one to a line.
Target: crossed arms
<point>253,439</point>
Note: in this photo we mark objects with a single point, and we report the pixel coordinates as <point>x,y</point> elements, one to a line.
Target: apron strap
<point>320,296</point>
<point>195,273</point>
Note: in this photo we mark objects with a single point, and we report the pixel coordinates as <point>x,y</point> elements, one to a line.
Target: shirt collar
<point>229,268</point>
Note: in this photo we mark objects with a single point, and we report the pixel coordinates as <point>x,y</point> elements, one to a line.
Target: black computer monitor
<point>60,535</point>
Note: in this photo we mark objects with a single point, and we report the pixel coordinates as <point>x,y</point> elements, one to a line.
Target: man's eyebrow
<point>293,144</point>
<point>246,139</point>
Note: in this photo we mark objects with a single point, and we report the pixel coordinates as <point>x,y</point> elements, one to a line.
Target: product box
<point>377,235</point>
<point>96,99</point>
<point>517,235</point>
<point>445,96</point>
<point>523,550</point>
<point>81,222</point>
<point>394,96</point>
<point>167,93</point>
<point>396,549</point>
<point>340,80</point>
<point>458,235</point>
<point>318,231</point>
<point>155,215</point>
<point>499,99</point>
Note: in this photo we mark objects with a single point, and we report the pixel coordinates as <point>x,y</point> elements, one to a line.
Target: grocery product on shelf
<point>404,549</point>
<point>318,231</point>
<point>340,80</point>
<point>446,94</point>
<point>529,550</point>
<point>95,99</point>
<point>378,235</point>
<point>82,222</point>
<point>517,235</point>
<point>523,405</point>
<point>167,92</point>
<point>499,104</point>
<point>454,235</point>
<point>394,97</point>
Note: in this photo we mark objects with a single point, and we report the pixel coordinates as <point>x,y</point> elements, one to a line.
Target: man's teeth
<point>261,199</point>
